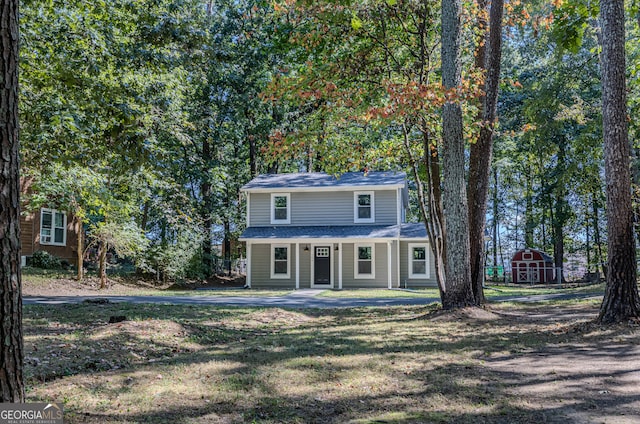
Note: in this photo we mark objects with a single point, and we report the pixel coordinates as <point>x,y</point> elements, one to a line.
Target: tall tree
<point>457,264</point>
<point>11,352</point>
<point>621,300</point>
<point>482,150</point>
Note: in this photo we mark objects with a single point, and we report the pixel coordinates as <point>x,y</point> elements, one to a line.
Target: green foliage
<point>179,260</point>
<point>572,19</point>
<point>45,260</point>
<point>125,239</point>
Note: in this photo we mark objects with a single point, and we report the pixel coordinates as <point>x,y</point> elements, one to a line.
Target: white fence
<point>235,266</point>
<point>538,275</point>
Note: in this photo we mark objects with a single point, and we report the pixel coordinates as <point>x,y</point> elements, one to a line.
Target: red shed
<point>532,266</point>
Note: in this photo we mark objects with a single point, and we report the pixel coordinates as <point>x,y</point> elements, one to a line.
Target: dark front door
<point>322,266</point>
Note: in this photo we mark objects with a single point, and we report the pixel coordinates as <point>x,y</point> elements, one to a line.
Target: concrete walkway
<point>298,299</point>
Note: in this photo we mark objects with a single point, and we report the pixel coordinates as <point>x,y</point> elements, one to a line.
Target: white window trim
<point>53,227</point>
<point>356,206</point>
<point>356,274</point>
<point>275,276</point>
<point>273,208</point>
<point>410,260</point>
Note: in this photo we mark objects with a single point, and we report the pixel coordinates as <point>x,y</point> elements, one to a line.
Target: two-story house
<point>313,230</point>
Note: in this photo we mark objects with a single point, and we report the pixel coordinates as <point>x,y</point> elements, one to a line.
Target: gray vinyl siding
<point>305,267</point>
<point>381,267</point>
<point>261,268</point>
<point>259,212</point>
<point>404,268</point>
<point>323,208</point>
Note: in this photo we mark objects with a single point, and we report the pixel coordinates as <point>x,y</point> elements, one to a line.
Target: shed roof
<point>321,180</point>
<point>544,256</point>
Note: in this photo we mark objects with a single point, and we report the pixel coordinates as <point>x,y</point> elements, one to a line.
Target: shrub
<point>181,259</point>
<point>45,260</point>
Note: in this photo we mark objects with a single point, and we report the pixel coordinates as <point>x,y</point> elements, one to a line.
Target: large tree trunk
<point>80,247</point>
<point>596,236</point>
<point>558,242</point>
<point>251,138</point>
<point>206,210</point>
<point>429,199</point>
<point>102,264</point>
<point>621,300</point>
<point>495,223</point>
<point>457,264</point>
<point>482,151</point>
<point>436,219</point>
<point>529,220</point>
<point>11,358</point>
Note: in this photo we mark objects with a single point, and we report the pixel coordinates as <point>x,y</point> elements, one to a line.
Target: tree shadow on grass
<point>257,364</point>
<point>445,397</point>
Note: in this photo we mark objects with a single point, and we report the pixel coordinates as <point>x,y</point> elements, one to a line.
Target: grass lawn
<point>38,282</point>
<point>194,364</point>
<point>50,283</point>
<point>379,293</point>
<point>218,292</point>
<point>490,291</point>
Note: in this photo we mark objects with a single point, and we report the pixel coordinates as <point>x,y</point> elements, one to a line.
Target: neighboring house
<point>313,230</point>
<point>50,230</point>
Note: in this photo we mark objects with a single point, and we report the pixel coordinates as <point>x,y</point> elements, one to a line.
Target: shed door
<point>322,266</point>
<point>534,273</point>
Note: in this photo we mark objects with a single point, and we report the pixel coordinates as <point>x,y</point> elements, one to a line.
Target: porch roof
<point>402,231</point>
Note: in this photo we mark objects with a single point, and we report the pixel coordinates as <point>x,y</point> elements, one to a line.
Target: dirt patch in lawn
<point>587,373</point>
<point>191,364</point>
<point>90,286</point>
<point>469,314</point>
<point>63,285</point>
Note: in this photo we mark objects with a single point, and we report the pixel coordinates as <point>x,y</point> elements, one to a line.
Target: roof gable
<point>321,181</point>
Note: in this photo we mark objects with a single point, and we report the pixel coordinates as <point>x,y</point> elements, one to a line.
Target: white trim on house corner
<point>398,262</point>
<point>275,276</point>
<point>389,264</point>
<point>248,278</point>
<point>297,265</point>
<point>398,207</point>
<point>275,221</point>
<point>356,274</point>
<point>413,275</point>
<point>356,207</point>
<point>248,210</point>
<point>340,265</point>
<point>52,236</point>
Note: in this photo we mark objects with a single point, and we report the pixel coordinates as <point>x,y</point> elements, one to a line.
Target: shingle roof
<point>322,180</point>
<point>404,231</point>
<point>413,231</point>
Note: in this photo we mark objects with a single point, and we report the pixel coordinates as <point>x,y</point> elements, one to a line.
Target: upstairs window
<point>418,261</point>
<point>280,208</point>
<point>364,208</point>
<point>53,226</point>
<point>364,261</point>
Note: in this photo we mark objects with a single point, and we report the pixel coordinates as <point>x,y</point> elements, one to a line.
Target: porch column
<point>398,261</point>
<point>297,266</point>
<point>248,282</point>
<point>389,264</point>
<point>340,266</point>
